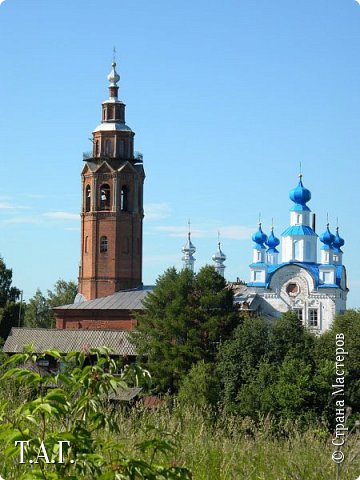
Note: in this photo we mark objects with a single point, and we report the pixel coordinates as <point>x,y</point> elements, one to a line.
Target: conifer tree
<point>186,317</point>
<point>9,309</point>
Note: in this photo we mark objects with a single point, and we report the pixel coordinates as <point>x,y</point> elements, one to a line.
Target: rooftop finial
<point>259,219</point>
<point>219,258</point>
<point>188,252</point>
<point>300,170</point>
<point>113,76</point>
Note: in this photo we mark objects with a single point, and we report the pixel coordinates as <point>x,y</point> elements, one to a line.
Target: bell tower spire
<point>188,251</point>
<point>219,258</point>
<point>112,209</point>
<point>113,78</point>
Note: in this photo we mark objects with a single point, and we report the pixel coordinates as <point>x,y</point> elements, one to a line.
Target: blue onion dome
<point>259,237</point>
<point>272,242</point>
<point>300,194</point>
<point>338,242</point>
<point>327,238</point>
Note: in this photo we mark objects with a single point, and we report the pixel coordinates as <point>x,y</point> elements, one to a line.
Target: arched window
<point>140,209</point>
<point>103,244</point>
<point>97,148</point>
<point>125,245</point>
<point>87,198</point>
<point>86,244</point>
<point>124,198</point>
<point>120,148</point>
<point>108,148</point>
<point>105,197</point>
<point>296,250</point>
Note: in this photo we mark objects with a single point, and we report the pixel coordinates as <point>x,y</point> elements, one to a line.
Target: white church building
<point>315,290</point>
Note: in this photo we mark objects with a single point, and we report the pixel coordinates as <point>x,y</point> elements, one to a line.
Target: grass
<point>216,446</point>
<point>230,448</point>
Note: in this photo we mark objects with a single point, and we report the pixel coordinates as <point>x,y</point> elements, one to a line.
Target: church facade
<point>315,289</point>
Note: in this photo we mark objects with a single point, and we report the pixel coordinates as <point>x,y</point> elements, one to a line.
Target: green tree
<point>270,369</point>
<point>289,338</point>
<point>347,327</point>
<point>239,357</point>
<point>38,312</point>
<point>8,293</point>
<point>9,308</point>
<point>39,308</point>
<point>294,391</point>
<point>200,387</point>
<point>63,293</point>
<point>185,319</point>
<point>257,397</point>
<point>73,407</point>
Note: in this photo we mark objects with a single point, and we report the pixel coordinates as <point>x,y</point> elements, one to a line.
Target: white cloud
<point>35,196</point>
<point>72,229</point>
<point>62,215</point>
<point>156,211</point>
<point>357,1</point>
<point>181,231</point>
<point>234,232</point>
<point>237,232</point>
<point>4,205</point>
<point>170,259</point>
<point>2,1</point>
<point>28,220</point>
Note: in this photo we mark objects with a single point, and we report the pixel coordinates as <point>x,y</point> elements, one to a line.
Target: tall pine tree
<point>9,309</point>
<point>186,317</point>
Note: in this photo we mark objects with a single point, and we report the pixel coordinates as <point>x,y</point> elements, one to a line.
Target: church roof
<point>68,340</point>
<point>298,230</point>
<point>110,127</point>
<point>122,300</point>
<point>312,268</point>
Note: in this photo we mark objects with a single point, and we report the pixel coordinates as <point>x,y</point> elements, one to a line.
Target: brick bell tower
<point>112,204</point>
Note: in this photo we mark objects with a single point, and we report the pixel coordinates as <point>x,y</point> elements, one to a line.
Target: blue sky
<point>225,98</point>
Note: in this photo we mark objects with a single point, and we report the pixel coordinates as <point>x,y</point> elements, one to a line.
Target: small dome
<point>189,247</point>
<point>327,238</point>
<point>188,250</point>
<point>272,241</point>
<point>338,242</point>
<point>300,194</point>
<point>219,255</point>
<point>259,237</point>
<point>113,76</point>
